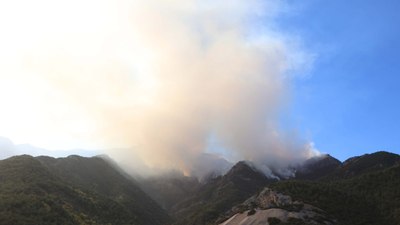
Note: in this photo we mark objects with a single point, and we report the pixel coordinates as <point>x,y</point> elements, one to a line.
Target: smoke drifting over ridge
<point>162,76</point>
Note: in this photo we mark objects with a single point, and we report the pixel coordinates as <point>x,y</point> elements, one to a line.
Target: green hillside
<point>370,198</point>
<point>72,190</point>
<point>77,190</point>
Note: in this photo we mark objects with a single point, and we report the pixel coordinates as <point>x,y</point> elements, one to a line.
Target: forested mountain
<point>78,190</point>
<point>72,190</point>
<point>219,194</point>
<point>363,190</point>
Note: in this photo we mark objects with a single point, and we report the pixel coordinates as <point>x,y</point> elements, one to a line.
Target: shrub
<point>274,221</point>
<point>251,212</point>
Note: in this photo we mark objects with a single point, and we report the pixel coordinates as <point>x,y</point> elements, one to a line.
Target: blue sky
<point>348,104</point>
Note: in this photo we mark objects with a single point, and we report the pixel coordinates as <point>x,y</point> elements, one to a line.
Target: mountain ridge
<point>80,190</point>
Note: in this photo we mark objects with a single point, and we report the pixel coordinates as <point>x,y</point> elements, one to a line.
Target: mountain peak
<point>317,167</point>
<point>242,167</point>
<point>368,163</point>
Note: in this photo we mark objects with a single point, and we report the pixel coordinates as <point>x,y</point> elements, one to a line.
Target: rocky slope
<point>370,198</point>
<point>271,207</point>
<point>362,190</point>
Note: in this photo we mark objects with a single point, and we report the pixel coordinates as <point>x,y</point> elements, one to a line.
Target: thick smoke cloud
<point>161,77</point>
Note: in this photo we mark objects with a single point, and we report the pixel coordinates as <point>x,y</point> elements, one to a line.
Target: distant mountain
<point>366,163</point>
<point>328,168</point>
<point>8,149</point>
<point>72,190</point>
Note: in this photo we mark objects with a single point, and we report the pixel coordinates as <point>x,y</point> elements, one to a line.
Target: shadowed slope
<point>219,195</point>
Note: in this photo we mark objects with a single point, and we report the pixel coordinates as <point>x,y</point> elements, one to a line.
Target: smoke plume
<point>160,78</point>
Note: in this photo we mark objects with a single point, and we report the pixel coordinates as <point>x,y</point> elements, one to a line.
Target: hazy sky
<point>99,74</point>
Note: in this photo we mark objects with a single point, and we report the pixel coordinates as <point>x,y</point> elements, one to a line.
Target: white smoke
<point>159,76</point>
